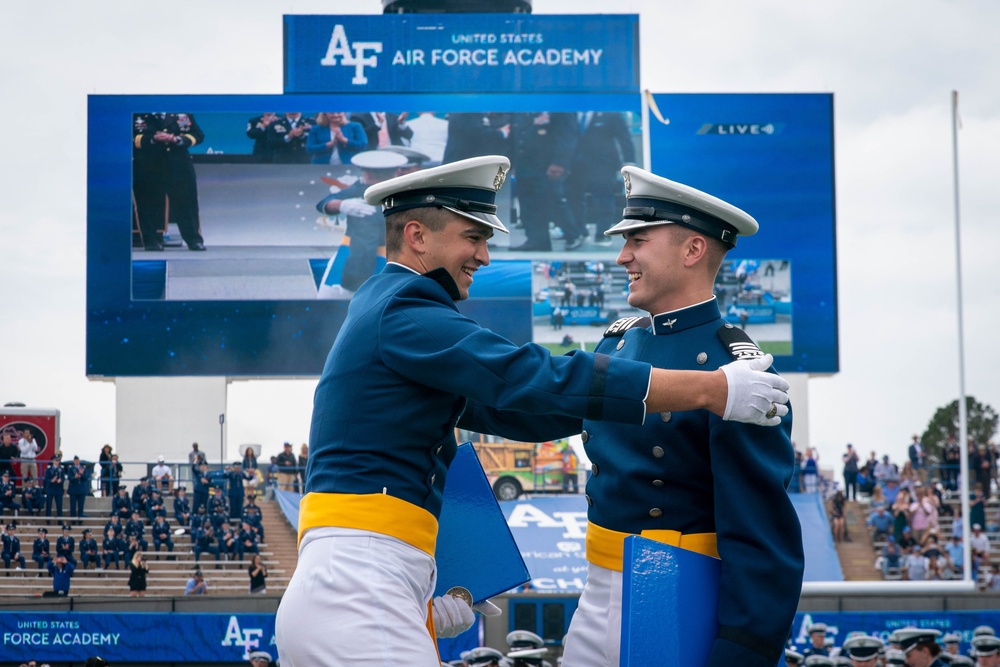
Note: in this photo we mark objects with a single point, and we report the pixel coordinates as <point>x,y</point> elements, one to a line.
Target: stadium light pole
<point>963,417</point>
<point>222,439</point>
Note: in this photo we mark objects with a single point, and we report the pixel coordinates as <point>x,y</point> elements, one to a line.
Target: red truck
<point>43,424</point>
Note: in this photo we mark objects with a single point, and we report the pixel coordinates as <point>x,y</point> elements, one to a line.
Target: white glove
<point>452,616</point>
<point>357,208</point>
<point>755,396</point>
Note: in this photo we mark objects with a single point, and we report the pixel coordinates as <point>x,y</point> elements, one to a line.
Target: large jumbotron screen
<point>257,301</point>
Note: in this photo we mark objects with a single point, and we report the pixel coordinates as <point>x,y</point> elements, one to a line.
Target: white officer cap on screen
<point>653,200</point>
<point>467,187</point>
<point>378,160</point>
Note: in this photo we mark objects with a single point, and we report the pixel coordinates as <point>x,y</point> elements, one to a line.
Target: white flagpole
<point>963,427</point>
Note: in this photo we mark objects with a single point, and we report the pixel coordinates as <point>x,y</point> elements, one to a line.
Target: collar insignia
<point>670,323</point>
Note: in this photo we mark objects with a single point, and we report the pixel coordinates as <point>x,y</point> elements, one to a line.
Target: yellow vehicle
<point>514,468</point>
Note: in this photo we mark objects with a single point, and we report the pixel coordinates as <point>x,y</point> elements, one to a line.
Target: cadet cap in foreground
<point>983,629</point>
<point>467,187</point>
<point>653,200</point>
<point>483,655</point>
<point>793,657</point>
<point>986,645</point>
<point>894,656</point>
<point>951,638</point>
<point>819,661</point>
<point>863,647</point>
<point>910,637</point>
<point>525,644</point>
<point>961,661</point>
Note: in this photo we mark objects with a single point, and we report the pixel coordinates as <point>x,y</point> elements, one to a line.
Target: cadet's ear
<point>415,235</point>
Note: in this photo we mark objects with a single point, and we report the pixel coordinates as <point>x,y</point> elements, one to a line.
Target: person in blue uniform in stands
<point>686,477</point>
<point>404,370</point>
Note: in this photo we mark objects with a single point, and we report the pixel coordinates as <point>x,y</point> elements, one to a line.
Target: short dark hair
<point>434,217</point>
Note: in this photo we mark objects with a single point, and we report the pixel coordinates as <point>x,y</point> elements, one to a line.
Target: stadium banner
<point>883,623</point>
<point>129,638</point>
<point>462,53</point>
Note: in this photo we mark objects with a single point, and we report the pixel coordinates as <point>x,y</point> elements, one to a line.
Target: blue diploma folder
<point>670,603</point>
<point>475,549</point>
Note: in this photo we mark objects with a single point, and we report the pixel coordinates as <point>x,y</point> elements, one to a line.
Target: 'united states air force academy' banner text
<point>462,53</point>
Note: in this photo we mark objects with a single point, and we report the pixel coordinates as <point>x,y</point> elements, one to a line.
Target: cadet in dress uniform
<point>162,170</point>
<point>963,661</point>
<point>863,650</point>
<point>987,650</point>
<point>819,661</point>
<point>817,638</point>
<point>893,656</point>
<point>793,658</point>
<point>526,648</point>
<point>405,369</point>
<point>951,642</point>
<point>920,647</point>
<point>687,478</point>
<point>484,656</point>
<point>362,248</point>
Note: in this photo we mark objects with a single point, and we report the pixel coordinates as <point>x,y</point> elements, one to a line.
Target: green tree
<point>982,424</point>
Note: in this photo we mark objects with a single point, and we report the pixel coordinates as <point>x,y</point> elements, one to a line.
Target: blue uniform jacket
<point>402,370</point>
<point>695,473</point>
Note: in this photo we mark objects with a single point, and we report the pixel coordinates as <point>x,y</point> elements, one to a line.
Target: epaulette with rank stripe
<point>619,327</point>
<point>739,344</point>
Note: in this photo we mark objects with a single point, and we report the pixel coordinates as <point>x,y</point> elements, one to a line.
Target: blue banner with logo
<point>462,53</point>
<point>883,623</point>
<point>131,638</point>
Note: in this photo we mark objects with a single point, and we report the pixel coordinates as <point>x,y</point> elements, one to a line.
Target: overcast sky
<point>891,66</point>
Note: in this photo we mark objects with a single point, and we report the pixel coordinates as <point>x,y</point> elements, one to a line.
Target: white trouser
<point>357,599</point>
<point>594,636</point>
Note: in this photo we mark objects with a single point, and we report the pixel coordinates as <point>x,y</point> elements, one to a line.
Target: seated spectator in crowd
<point>8,494</point>
<point>133,547</point>
<point>252,515</point>
<point>55,478</point>
<point>218,500</point>
<point>884,471</point>
<point>930,545</point>
<point>229,543</point>
<point>66,545</point>
<point>12,549</point>
<point>877,498</point>
<point>40,550</point>
<point>61,571</point>
<point>890,491</point>
<point>182,508</point>
<point>906,542</point>
<point>199,519</point>
<point>121,505</point>
<point>954,552</point>
<point>196,585</point>
<point>88,551</point>
<point>979,542</point>
<point>114,524</point>
<point>137,575</point>
<point>936,570</point>
<point>136,528</point>
<point>32,498</point>
<point>993,579</point>
<point>162,534</point>
<point>141,493</point>
<point>880,524</point>
<point>908,478</point>
<point>247,540</point>
<point>258,575</point>
<point>915,564</point>
<point>957,527</point>
<point>155,507</point>
<point>892,557</point>
<point>162,476</point>
<point>112,548</point>
<point>204,540</point>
